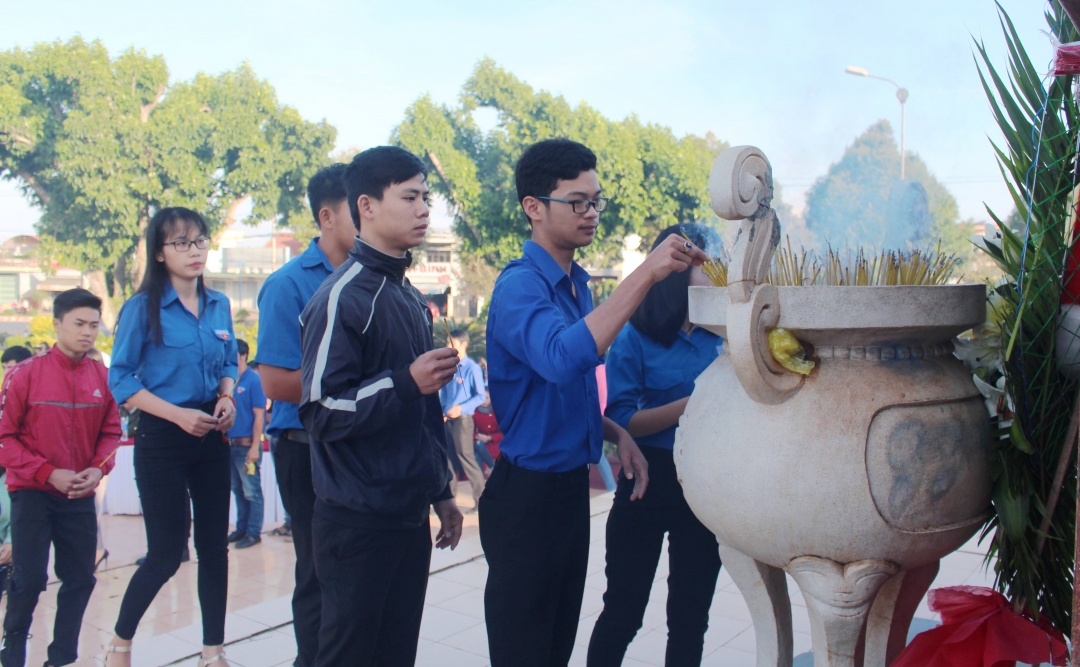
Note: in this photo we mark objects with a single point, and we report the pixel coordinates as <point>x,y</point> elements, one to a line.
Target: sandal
<point>112,648</point>
<point>207,662</point>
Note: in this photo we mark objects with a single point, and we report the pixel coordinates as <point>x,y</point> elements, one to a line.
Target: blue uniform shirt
<point>188,367</point>
<point>281,300</point>
<point>249,396</point>
<point>466,389</point>
<point>643,374</point>
<point>541,361</point>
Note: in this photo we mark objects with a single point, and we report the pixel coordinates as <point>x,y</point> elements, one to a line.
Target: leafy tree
<point>654,178</point>
<point>100,143</point>
<point>41,330</point>
<point>850,203</point>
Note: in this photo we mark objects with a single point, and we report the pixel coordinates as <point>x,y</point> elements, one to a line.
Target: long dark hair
<point>165,222</point>
<point>663,311</point>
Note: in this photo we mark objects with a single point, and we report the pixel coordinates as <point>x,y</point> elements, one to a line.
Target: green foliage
<point>249,333</point>
<point>1037,160</point>
<point>654,178</point>
<point>849,204</point>
<point>476,328</point>
<point>100,143</point>
<point>41,330</point>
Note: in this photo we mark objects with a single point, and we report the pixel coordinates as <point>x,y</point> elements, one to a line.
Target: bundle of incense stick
<point>890,267</point>
<point>715,268</point>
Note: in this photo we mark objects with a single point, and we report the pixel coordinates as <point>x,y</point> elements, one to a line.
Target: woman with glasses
<point>175,359</point>
<point>651,368</point>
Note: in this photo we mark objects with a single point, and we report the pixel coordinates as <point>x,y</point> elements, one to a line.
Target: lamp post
<point>902,95</point>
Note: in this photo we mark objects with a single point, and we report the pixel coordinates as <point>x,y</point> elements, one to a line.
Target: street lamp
<point>901,94</point>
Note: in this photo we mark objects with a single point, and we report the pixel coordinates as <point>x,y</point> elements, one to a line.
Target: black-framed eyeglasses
<point>202,243</point>
<point>581,206</point>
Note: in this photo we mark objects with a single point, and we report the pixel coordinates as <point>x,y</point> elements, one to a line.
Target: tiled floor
<point>259,630</point>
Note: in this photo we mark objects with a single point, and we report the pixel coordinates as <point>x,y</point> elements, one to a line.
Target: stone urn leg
<point>765,590</point>
<point>890,616</point>
<point>838,599</point>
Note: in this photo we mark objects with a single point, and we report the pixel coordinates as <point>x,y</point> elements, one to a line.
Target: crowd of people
<point>370,426</point>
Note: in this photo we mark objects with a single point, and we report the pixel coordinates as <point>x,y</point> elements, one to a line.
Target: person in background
<point>459,400</point>
<point>41,350</point>
<point>281,300</point>
<point>245,438</point>
<point>16,354</point>
<point>488,435</point>
<point>371,405</point>
<point>544,340</point>
<point>175,359</point>
<point>58,432</point>
<point>651,370</point>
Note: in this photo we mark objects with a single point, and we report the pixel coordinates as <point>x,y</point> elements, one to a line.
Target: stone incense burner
<point>856,479</point>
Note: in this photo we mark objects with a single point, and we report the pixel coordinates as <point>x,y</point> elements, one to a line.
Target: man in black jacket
<point>371,385</point>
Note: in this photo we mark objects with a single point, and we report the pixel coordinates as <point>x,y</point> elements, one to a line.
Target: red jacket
<point>56,413</point>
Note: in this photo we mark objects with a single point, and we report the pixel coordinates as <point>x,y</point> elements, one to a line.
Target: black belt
<point>296,435</point>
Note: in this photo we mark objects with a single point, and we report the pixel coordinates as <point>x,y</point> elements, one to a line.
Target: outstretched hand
<point>674,255</point>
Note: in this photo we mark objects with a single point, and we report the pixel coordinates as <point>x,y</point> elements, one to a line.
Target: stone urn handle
<point>741,187</point>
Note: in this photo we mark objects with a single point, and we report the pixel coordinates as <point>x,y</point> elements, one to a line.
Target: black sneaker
<point>236,536</point>
<point>248,541</point>
<point>13,654</point>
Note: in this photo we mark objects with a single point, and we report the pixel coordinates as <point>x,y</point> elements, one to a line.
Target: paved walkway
<point>259,623</point>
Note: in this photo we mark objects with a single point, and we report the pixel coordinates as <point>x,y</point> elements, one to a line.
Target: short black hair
<point>376,169</point>
<point>460,335</point>
<point>663,310</point>
<point>68,301</point>
<point>545,163</point>
<point>242,347</point>
<point>16,353</point>
<point>326,188</point>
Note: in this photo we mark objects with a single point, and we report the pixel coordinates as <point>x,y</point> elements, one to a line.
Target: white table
<point>121,496</point>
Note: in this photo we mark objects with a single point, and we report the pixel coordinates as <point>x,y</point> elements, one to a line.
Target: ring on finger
<point>687,247</point>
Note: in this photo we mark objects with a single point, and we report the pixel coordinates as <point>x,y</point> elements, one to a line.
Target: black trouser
<point>635,536</point>
<point>292,465</point>
<point>38,519</point>
<point>534,528</point>
<point>373,598</point>
<point>170,464</point>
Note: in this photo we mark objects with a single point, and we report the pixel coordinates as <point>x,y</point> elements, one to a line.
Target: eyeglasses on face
<point>202,243</point>
<point>581,206</point>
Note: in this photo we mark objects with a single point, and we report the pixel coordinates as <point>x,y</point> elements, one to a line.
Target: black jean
<point>635,537</point>
<point>38,519</point>
<point>534,528</point>
<point>170,464</point>
<point>292,466</point>
<point>373,598</point>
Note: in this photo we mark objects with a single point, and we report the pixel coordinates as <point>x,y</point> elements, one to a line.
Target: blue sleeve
<point>258,397</point>
<point>525,321</point>
<point>280,306</point>
<point>127,351</point>
<point>231,369</point>
<point>625,378</point>
<point>444,399</point>
<point>476,379</point>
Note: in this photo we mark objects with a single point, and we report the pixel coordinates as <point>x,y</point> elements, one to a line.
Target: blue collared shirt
<point>466,389</point>
<point>281,300</point>
<point>196,353</point>
<point>249,397</point>
<point>643,374</point>
<point>541,361</point>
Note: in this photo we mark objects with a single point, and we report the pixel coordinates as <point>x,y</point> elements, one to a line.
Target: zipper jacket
<point>378,450</point>
<point>56,413</point>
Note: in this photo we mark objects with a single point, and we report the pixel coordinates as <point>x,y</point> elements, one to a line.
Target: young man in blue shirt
<point>245,440</point>
<point>281,300</point>
<point>459,400</point>
<point>544,341</point>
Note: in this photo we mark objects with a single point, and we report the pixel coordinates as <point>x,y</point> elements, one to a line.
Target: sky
<point>769,74</point>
